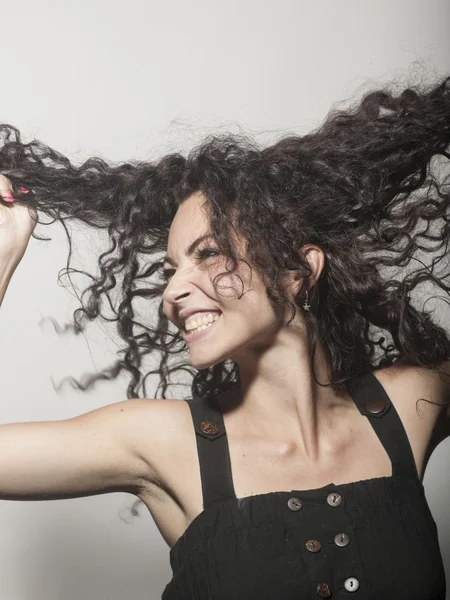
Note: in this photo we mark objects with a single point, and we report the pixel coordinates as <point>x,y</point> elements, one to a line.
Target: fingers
<point>5,189</point>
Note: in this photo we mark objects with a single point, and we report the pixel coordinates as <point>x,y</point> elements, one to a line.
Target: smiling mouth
<point>201,329</point>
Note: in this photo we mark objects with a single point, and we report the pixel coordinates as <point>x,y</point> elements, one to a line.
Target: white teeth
<point>201,328</point>
<point>201,322</point>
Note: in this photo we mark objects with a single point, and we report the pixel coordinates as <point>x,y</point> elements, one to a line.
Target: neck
<point>278,398</point>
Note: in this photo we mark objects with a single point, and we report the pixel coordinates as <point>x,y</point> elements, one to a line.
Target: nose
<point>178,287</point>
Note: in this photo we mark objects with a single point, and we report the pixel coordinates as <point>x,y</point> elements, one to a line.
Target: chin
<point>206,361</point>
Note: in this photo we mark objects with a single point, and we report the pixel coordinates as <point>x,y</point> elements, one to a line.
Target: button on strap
<point>212,448</point>
<point>374,403</point>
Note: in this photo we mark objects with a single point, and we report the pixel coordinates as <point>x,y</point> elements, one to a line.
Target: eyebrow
<point>189,250</point>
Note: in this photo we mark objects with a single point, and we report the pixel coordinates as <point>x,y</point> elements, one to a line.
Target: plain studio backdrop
<point>135,80</point>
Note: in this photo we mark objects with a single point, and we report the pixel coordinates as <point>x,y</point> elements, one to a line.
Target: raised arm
<point>17,222</point>
<point>93,453</point>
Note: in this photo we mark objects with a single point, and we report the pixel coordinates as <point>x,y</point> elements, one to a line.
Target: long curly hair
<point>370,186</point>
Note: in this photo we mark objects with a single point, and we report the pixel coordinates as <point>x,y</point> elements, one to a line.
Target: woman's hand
<point>17,222</point>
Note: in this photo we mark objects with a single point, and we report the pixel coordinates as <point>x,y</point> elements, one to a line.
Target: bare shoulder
<point>156,430</point>
<point>412,384</point>
<point>421,398</point>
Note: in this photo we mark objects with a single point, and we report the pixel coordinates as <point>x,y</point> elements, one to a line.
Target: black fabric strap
<point>373,402</point>
<point>212,444</point>
<point>213,452</point>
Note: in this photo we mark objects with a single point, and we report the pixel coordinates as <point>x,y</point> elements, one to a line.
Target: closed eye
<point>199,254</point>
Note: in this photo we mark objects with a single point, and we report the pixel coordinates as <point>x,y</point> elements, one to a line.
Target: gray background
<point>137,79</point>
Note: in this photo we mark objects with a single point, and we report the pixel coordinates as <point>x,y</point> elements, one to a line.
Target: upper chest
<point>262,466</point>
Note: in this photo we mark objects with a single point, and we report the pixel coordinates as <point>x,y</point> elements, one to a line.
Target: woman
<point>304,476</point>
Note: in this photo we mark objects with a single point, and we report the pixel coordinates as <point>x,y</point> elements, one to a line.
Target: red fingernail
<point>24,190</point>
<point>9,197</point>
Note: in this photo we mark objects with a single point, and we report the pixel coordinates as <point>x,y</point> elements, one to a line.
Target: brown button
<point>334,499</point>
<point>375,406</point>
<point>295,503</point>
<point>313,545</point>
<point>209,427</point>
<point>341,540</point>
<point>323,590</point>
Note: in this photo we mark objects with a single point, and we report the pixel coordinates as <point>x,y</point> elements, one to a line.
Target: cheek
<point>242,280</point>
<point>229,286</point>
<point>244,295</point>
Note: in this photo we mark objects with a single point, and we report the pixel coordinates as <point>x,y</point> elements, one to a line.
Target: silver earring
<point>306,306</point>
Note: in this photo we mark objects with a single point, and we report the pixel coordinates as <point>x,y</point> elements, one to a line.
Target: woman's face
<point>246,326</point>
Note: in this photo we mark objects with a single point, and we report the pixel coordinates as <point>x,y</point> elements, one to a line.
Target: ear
<point>315,257</point>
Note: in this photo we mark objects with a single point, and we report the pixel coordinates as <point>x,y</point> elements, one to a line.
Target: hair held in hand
<point>370,186</point>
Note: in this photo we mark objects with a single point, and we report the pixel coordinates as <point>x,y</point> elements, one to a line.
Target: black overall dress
<point>372,539</point>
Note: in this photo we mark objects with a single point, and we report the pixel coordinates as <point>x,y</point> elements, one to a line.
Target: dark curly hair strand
<point>369,186</point>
